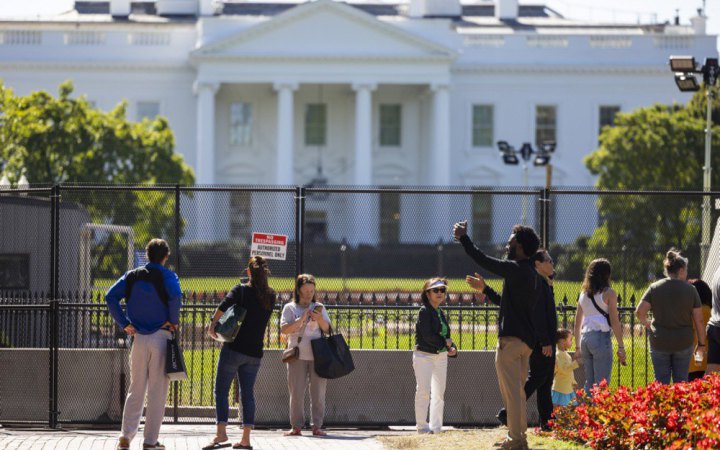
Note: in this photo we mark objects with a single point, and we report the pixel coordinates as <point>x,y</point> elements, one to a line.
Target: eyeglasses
<point>438,290</point>
<point>549,260</point>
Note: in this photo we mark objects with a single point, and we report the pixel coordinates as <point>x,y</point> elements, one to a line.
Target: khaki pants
<point>512,362</point>
<point>298,372</point>
<point>147,374</point>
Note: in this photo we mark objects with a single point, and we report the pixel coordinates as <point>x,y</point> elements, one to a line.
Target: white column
<point>206,229</point>
<point>285,123</point>
<point>440,152</point>
<point>365,207</point>
<point>205,146</point>
<point>439,165</point>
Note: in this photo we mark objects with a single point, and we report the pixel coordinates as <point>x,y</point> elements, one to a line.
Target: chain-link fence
<point>62,247</point>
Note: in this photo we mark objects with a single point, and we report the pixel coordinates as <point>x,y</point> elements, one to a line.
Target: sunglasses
<point>438,290</point>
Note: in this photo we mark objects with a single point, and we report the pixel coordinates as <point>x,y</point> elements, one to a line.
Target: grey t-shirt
<point>672,303</point>
<point>292,312</point>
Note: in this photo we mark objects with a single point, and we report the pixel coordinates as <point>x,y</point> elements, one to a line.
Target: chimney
<point>435,8</point>
<point>119,8</point>
<point>176,7</point>
<point>506,9</point>
<point>699,23</point>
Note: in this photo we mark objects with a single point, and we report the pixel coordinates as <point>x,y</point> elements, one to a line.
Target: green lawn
<point>563,289</point>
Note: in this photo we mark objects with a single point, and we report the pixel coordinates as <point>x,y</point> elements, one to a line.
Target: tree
<point>657,147</point>
<point>53,140</point>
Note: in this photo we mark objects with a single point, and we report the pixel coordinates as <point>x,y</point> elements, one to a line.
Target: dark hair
<point>300,281</point>
<point>429,282</point>
<point>597,277</point>
<point>258,268</point>
<point>704,291</point>
<point>673,262</point>
<point>539,256</point>
<point>561,334</point>
<point>156,250</point>
<point>528,238</point>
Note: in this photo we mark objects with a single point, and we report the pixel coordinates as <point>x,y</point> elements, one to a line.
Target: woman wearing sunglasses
<point>433,346</point>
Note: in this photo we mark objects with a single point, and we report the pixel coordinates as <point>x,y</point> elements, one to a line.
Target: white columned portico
<point>439,161</point>
<point>285,122</point>
<point>365,206</point>
<point>205,146</point>
<point>206,223</point>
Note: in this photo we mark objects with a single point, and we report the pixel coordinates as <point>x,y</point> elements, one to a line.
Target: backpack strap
<point>150,275</point>
<point>604,313</point>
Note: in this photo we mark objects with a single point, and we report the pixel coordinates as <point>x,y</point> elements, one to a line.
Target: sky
<point>626,11</point>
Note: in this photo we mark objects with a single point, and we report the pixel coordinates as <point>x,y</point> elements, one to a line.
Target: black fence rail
<point>62,247</point>
<point>83,347</point>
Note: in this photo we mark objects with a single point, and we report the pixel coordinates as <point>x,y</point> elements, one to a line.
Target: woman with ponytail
<point>675,305</point>
<point>242,356</point>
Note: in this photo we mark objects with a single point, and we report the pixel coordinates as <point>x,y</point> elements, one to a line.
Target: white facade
<point>203,65</point>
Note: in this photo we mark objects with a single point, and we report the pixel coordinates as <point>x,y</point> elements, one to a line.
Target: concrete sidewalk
<point>187,437</point>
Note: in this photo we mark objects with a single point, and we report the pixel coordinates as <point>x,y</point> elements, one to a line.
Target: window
<point>147,110</point>
<point>545,124</point>
<point>390,125</point>
<point>389,217</point>
<point>240,123</point>
<point>240,215</point>
<point>315,230</point>
<point>482,218</point>
<point>607,116</point>
<point>315,124</point>
<point>482,125</point>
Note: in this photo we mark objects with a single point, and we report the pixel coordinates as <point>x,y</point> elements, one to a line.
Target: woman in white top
<point>596,315</point>
<point>304,310</point>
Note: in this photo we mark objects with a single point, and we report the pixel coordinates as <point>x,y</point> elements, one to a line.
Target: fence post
<point>53,310</point>
<point>299,228</point>
<point>545,216</point>
<point>177,271</point>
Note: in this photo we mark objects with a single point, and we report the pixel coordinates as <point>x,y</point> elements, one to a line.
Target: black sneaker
<point>502,416</point>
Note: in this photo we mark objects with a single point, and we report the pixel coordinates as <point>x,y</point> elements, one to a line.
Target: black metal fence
<point>62,247</point>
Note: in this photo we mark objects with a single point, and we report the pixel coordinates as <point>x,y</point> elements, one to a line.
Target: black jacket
<point>521,292</point>
<point>546,321</point>
<point>428,337</point>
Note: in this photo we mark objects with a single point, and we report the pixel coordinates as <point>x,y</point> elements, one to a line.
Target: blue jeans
<point>676,364</point>
<point>246,367</point>
<point>597,357</point>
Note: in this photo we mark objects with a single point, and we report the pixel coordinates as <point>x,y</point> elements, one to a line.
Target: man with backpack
<point>152,307</point>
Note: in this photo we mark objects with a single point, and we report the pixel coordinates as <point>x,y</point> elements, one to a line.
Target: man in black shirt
<point>517,327</point>
<point>542,359</point>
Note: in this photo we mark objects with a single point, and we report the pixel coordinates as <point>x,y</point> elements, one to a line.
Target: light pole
<point>685,68</point>
<point>526,152</point>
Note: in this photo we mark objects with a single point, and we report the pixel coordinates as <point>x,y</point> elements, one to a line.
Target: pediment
<point>324,29</point>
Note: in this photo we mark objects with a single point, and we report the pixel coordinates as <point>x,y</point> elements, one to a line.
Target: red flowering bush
<point>682,416</point>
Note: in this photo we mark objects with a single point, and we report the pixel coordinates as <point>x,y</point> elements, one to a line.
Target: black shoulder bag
<point>604,314</point>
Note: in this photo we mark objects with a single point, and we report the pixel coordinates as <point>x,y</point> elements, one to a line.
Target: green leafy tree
<point>53,140</point>
<point>656,147</point>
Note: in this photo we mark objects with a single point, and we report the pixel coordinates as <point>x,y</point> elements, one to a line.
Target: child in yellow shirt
<point>564,382</point>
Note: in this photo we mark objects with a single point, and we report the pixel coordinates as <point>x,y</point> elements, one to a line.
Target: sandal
<point>214,445</point>
<point>239,445</point>
<point>294,431</point>
<point>318,432</point>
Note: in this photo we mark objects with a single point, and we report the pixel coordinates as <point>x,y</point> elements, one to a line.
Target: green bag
<point>228,327</point>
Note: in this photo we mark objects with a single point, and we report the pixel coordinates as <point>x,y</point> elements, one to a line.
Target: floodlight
<point>548,146</point>
<point>526,151</point>
<point>541,160</point>
<point>511,159</point>
<point>504,147</point>
<point>686,82</point>
<point>684,64</point>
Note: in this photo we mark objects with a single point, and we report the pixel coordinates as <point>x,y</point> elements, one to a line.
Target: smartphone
<point>317,308</point>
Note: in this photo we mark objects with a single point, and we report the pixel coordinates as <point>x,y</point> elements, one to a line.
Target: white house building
<point>413,93</point>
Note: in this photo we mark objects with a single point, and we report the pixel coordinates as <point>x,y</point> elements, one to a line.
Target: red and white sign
<point>269,246</point>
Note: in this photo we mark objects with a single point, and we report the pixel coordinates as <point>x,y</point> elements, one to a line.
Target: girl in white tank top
<point>593,320</point>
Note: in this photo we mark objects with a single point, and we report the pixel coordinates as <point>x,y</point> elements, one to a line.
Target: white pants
<point>430,375</point>
<point>147,374</point>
